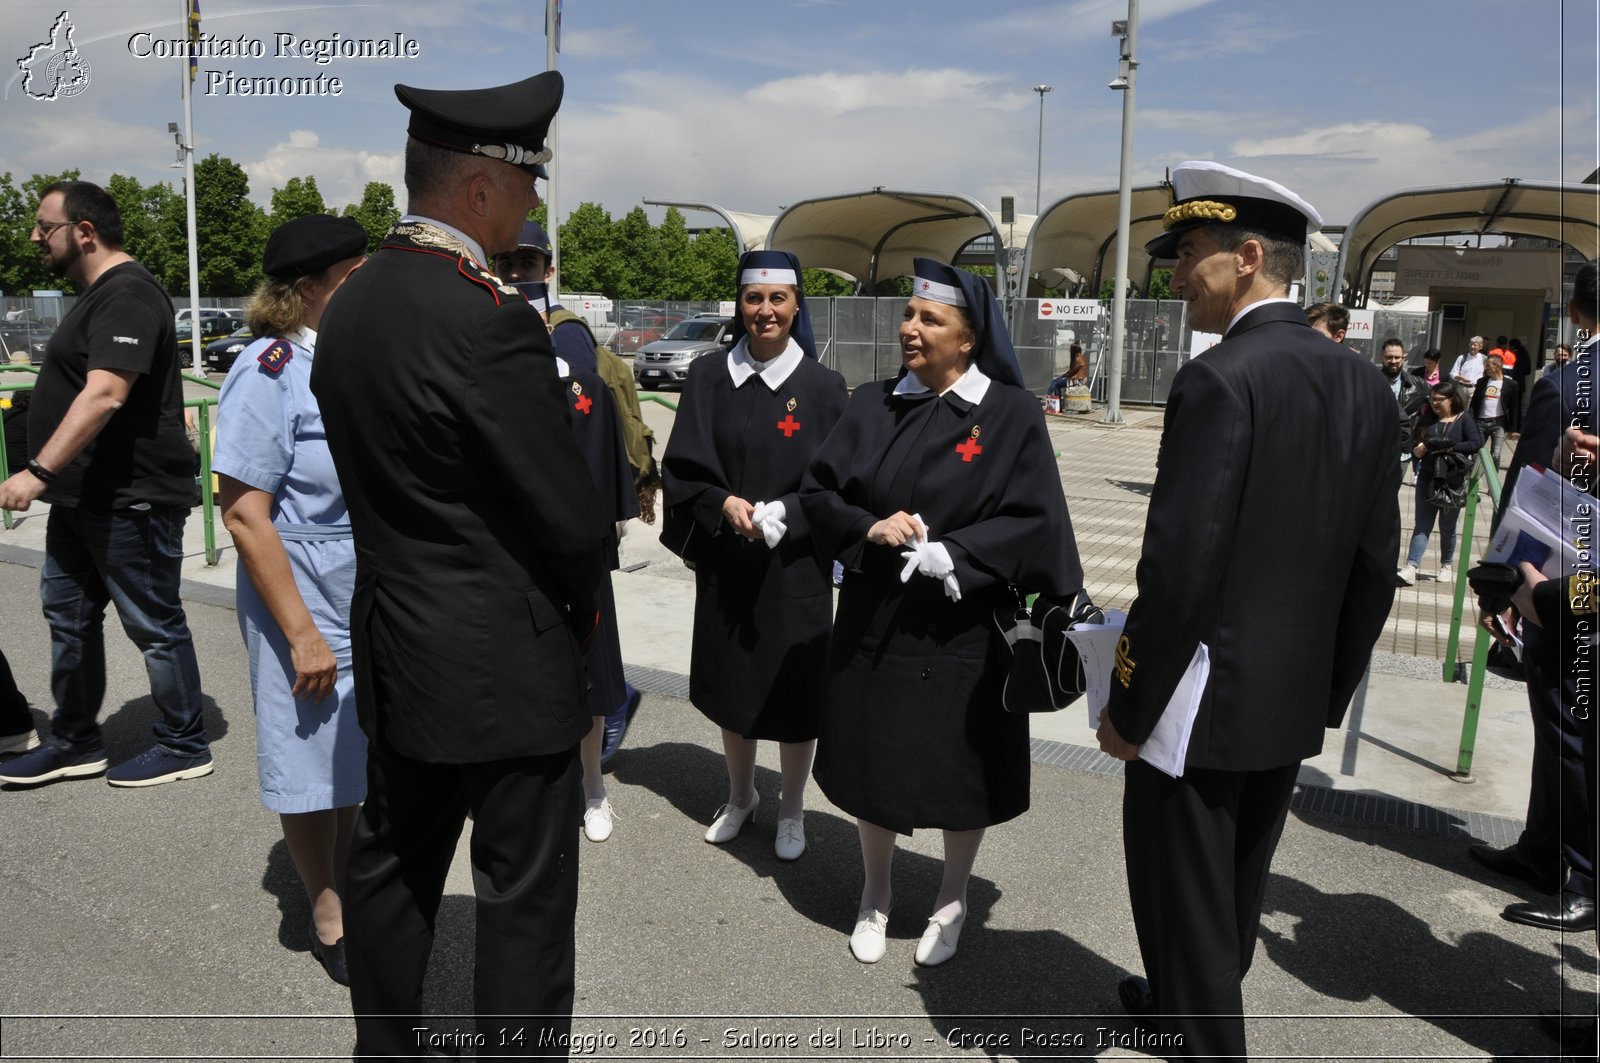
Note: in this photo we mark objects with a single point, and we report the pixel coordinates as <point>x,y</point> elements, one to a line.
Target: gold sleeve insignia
<point>1124,666</point>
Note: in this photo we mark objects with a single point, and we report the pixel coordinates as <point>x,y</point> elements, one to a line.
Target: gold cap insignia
<point>1198,210</point>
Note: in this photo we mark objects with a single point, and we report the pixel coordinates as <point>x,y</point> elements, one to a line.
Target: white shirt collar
<point>972,385</point>
<point>1252,306</point>
<point>472,245</point>
<point>306,337</point>
<point>742,365</point>
<point>563,370</point>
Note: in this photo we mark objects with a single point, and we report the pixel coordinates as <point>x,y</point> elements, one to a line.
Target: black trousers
<point>1559,831</point>
<point>15,718</point>
<point>525,874</point>
<point>1198,849</point>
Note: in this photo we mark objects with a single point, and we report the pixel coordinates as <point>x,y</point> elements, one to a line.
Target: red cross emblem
<point>924,285</point>
<point>968,449</point>
<point>583,404</point>
<point>788,426</point>
<point>763,273</point>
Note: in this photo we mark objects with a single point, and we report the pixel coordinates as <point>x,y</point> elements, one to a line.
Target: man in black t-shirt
<point>107,450</point>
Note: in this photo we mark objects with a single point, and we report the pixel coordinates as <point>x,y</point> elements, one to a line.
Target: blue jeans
<point>1426,512</point>
<point>132,558</point>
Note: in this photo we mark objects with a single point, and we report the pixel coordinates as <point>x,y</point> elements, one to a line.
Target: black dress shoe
<point>331,957</point>
<point>1568,912</point>
<point>1509,861</point>
<point>1137,997</point>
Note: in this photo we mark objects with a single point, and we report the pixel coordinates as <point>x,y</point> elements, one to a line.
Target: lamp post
<point>1127,71</point>
<point>1038,174</point>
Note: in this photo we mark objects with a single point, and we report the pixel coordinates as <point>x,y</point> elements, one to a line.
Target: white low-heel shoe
<point>869,938</point>
<point>730,820</point>
<point>598,820</point>
<point>791,841</point>
<point>939,940</point>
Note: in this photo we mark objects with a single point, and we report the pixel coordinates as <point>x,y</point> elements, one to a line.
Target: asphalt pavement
<point>168,923</point>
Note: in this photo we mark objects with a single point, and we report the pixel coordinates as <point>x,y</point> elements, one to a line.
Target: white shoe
<point>1445,575</point>
<point>868,940</point>
<point>1407,575</point>
<point>730,820</point>
<point>598,819</point>
<point>19,743</point>
<point>939,940</point>
<point>791,841</point>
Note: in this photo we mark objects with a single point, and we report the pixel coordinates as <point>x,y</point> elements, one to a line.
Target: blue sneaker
<point>156,765</point>
<point>617,725</point>
<point>47,764</point>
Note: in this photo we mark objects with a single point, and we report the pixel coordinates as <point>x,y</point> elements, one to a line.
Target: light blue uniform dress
<point>311,755</point>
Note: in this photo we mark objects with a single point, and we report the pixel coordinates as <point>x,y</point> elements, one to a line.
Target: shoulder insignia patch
<point>275,357</point>
<point>472,270</point>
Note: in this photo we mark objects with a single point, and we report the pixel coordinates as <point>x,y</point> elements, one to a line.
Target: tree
<point>155,229</point>
<point>22,268</point>
<point>821,284</point>
<point>672,273</point>
<point>376,212</point>
<point>588,251</point>
<point>637,254</point>
<point>296,199</point>
<point>230,228</point>
<point>713,259</point>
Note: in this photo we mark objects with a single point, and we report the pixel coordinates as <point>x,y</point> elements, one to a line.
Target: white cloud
<point>837,94</point>
<point>341,173</point>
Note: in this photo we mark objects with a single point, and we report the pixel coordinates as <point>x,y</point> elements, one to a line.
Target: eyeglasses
<point>45,228</point>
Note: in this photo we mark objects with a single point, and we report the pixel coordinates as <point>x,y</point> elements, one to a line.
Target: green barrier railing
<point>202,408</point>
<point>647,396</point>
<point>1485,476</point>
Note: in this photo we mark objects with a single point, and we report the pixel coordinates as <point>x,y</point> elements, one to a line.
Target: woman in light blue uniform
<point>282,504</point>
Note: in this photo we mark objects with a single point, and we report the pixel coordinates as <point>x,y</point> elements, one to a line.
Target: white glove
<point>932,560</point>
<point>769,517</point>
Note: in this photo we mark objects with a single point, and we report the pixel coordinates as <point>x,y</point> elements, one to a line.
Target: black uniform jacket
<point>477,526</point>
<point>1271,537</point>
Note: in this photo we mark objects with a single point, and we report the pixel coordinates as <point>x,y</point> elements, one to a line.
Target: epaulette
<point>275,357</point>
<point>476,273</point>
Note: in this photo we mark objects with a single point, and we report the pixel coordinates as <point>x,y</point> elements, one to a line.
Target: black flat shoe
<point>1138,1000</point>
<point>331,957</point>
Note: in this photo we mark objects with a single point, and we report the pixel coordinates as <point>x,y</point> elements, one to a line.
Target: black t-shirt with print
<point>123,321</point>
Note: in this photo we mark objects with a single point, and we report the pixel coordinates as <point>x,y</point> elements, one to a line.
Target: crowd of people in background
<point>424,571</point>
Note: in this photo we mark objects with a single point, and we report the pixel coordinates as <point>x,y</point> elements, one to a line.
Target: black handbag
<point>1046,674</point>
<point>1448,488</point>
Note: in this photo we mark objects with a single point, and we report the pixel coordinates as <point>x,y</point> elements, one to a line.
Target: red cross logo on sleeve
<point>583,404</point>
<point>788,426</point>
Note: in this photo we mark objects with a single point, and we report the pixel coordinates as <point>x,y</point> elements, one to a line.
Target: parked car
<point>640,326</point>
<point>211,328</point>
<point>666,361</point>
<point>23,342</point>
<point>219,355</point>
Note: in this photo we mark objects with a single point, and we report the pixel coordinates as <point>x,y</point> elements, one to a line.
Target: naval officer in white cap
<point>1269,549</point>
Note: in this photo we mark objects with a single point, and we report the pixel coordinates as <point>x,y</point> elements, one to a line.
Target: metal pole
<point>196,365</point>
<point>1119,299</point>
<point>1038,173</point>
<point>552,17</point>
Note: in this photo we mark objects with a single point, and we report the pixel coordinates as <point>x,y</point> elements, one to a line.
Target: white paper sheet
<point>1168,745</point>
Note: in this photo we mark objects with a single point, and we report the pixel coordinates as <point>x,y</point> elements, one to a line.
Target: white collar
<point>306,337</point>
<point>472,245</point>
<point>1252,306</point>
<point>972,385</point>
<point>742,365</point>
<point>563,370</point>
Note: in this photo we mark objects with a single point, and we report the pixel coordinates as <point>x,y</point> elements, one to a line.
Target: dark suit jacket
<point>1510,401</point>
<point>1271,537</point>
<point>477,525</point>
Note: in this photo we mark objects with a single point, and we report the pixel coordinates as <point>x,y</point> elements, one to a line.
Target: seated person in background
<point>1076,376</point>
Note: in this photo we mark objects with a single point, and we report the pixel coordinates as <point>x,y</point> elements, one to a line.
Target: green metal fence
<point>1485,478</point>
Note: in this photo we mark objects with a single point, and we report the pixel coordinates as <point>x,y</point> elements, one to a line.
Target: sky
<point>758,106</point>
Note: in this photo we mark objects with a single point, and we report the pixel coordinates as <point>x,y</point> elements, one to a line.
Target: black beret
<point>507,122</point>
<point>303,247</point>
